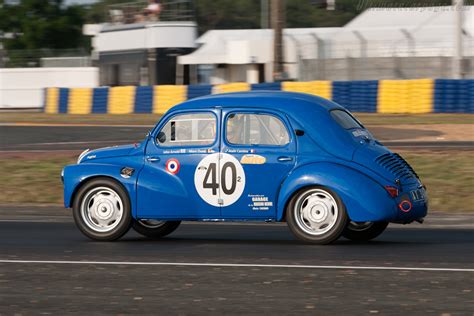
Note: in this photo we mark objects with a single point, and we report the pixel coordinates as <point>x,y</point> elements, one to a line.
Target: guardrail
<point>376,96</point>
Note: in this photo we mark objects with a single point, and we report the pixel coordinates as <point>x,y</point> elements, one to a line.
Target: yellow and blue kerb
<point>381,96</point>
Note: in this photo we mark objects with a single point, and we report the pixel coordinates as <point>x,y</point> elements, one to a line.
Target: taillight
<point>393,191</point>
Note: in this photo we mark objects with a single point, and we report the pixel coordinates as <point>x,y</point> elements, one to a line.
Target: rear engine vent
<point>395,164</point>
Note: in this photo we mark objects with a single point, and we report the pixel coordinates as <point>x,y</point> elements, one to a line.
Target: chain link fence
<point>376,68</point>
<point>373,60</point>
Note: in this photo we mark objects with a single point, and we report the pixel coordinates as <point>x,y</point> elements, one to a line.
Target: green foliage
<point>39,23</point>
<point>227,14</point>
<point>301,13</point>
<point>97,12</point>
<point>245,14</point>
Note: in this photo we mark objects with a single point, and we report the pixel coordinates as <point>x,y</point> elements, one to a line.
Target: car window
<point>345,119</point>
<point>195,129</point>
<point>256,129</point>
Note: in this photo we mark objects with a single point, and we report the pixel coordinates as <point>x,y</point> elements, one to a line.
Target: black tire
<point>155,231</point>
<point>86,223</point>
<point>297,224</point>
<point>364,231</point>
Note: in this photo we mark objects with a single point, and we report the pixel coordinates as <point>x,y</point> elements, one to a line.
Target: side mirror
<point>299,132</point>
<point>161,137</point>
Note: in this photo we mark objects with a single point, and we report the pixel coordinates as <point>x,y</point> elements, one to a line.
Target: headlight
<point>82,155</point>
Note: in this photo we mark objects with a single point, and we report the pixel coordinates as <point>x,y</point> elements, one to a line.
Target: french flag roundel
<point>172,166</point>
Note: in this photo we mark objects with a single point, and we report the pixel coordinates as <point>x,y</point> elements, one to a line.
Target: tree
<point>37,24</point>
<point>227,14</point>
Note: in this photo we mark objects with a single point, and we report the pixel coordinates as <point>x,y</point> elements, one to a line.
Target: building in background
<point>138,48</point>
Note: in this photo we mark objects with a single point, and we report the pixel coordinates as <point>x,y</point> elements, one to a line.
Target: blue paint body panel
<point>173,196</point>
<point>350,162</point>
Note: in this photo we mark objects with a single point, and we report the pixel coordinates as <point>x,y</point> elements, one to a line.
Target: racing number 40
<point>210,179</point>
<point>211,172</point>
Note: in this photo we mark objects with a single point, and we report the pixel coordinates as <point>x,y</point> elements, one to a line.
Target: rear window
<point>344,119</point>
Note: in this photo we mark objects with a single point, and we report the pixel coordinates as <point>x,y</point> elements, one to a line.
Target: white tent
<point>253,46</point>
<point>382,32</point>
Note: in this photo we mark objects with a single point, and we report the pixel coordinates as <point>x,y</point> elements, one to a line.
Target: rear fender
<point>363,197</point>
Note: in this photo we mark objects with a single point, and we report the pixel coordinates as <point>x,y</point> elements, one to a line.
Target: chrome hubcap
<point>102,209</point>
<point>316,212</point>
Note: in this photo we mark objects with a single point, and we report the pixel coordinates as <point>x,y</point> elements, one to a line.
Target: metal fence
<point>132,12</point>
<point>373,60</point>
<point>376,68</point>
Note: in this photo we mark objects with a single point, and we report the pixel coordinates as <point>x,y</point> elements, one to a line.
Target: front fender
<point>76,175</point>
<point>364,198</point>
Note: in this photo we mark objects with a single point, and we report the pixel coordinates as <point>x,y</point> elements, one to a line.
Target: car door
<point>166,184</point>
<point>258,152</point>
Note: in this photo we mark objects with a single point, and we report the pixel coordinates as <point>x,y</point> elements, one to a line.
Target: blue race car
<point>249,156</point>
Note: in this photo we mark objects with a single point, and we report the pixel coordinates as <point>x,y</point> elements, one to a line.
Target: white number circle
<point>219,176</point>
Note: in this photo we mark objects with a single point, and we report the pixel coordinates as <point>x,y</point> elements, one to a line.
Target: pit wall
<point>22,88</point>
<point>376,96</point>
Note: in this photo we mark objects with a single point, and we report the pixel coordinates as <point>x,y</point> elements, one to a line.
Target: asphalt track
<point>47,266</point>
<point>44,138</point>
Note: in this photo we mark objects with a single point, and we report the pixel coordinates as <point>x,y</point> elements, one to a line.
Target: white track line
<point>238,265</point>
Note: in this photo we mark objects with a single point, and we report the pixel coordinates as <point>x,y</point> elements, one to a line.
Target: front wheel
<point>364,231</point>
<point>155,229</point>
<point>101,210</point>
<point>316,215</point>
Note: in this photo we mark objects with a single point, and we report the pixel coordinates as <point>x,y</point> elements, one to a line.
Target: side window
<point>195,129</point>
<point>256,129</point>
<point>345,119</point>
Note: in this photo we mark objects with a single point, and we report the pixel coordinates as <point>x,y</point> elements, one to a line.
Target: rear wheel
<point>316,215</point>
<point>364,231</point>
<point>153,228</point>
<point>101,210</point>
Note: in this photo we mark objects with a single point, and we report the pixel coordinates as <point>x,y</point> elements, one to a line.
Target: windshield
<point>346,120</point>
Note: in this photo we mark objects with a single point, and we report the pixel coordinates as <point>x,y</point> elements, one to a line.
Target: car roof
<point>289,102</point>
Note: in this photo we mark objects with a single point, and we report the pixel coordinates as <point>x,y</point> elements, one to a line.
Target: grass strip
<point>449,177</point>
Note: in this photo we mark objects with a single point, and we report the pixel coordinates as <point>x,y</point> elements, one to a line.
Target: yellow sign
<point>253,160</point>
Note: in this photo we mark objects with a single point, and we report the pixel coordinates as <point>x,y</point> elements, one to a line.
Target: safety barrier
<point>377,96</point>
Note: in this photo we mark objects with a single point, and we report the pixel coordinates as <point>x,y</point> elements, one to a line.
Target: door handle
<point>152,159</point>
<point>284,159</point>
